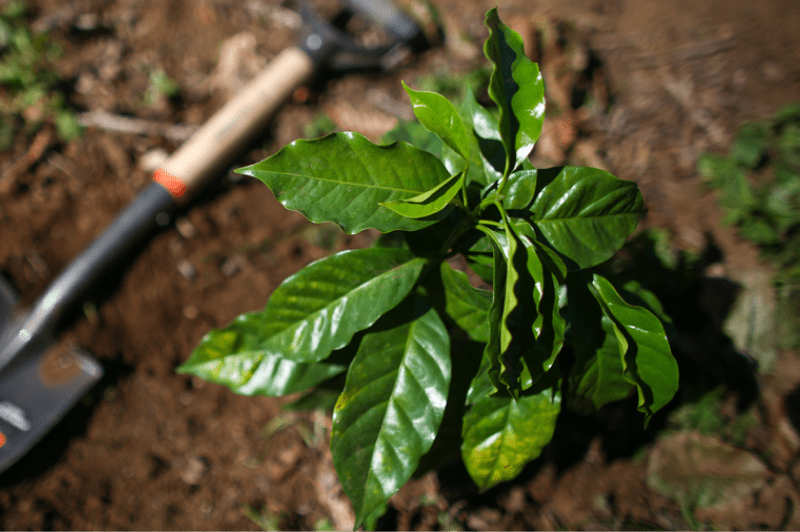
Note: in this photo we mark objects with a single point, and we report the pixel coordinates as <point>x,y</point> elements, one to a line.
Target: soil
<point>639,87</point>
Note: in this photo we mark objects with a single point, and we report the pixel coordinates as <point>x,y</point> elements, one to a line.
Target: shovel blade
<point>35,393</point>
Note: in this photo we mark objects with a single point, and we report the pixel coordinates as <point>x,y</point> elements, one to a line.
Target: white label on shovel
<point>14,415</point>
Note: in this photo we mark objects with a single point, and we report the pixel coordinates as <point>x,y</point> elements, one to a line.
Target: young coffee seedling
<point>379,327</point>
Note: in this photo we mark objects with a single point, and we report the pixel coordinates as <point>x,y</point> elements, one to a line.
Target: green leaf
<point>645,353</point>
<point>530,328</point>
<point>439,116</point>
<point>477,249</point>
<point>483,122</point>
<point>505,347</point>
<point>487,154</point>
<point>319,308</point>
<point>418,136</point>
<point>586,214</point>
<point>492,350</point>
<point>520,190</point>
<point>467,305</point>
<point>750,144</point>
<point>501,435</point>
<point>549,326</point>
<point>597,376</point>
<point>233,357</point>
<point>516,86</point>
<point>431,202</point>
<point>343,178</point>
<point>392,404</point>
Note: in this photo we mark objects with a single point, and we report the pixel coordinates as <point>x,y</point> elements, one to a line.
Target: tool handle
<point>210,148</point>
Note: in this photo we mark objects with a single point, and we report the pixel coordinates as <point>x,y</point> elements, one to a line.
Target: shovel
<point>41,380</point>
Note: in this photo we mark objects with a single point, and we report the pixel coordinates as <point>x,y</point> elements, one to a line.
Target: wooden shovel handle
<point>211,147</point>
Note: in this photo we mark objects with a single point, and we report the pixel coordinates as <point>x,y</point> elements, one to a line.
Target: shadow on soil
<point>698,306</point>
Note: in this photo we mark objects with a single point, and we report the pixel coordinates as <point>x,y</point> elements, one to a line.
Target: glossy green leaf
<point>487,155</point>
<point>477,249</point>
<point>319,308</point>
<point>586,215</point>
<point>596,378</point>
<point>343,178</point>
<point>418,136</point>
<point>467,305</point>
<point>439,116</point>
<point>520,190</point>
<point>647,360</point>
<point>392,404</point>
<point>501,435</point>
<point>483,122</point>
<point>431,202</point>
<point>233,356</point>
<point>516,86</point>
<point>548,326</point>
<point>507,316</point>
<point>492,350</point>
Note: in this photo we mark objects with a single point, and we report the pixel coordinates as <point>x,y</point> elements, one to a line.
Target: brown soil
<point>149,449</point>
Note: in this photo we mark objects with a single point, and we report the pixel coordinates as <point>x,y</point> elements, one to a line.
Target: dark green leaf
<point>585,214</point>
<point>596,377</point>
<point>418,136</point>
<point>750,144</point>
<point>636,294</point>
<point>501,435</point>
<point>431,202</point>
<point>477,249</point>
<point>520,190</point>
<point>647,360</point>
<point>486,149</point>
<point>392,404</point>
<point>319,308</point>
<point>516,86</point>
<point>233,356</point>
<point>505,346</point>
<point>467,305</point>
<point>483,122</point>
<point>493,350</point>
<point>343,178</point>
<point>549,326</point>
<point>439,116</point>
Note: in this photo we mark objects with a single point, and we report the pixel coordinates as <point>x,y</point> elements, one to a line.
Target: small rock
<point>185,228</point>
<point>190,312</point>
<point>233,265</point>
<point>187,269</point>
<point>739,79</point>
<point>515,502</point>
<point>772,71</point>
<point>194,471</point>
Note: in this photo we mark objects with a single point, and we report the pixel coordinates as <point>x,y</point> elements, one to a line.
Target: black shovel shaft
<point>131,228</point>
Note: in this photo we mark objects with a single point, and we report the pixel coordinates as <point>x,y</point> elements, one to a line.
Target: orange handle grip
<point>211,147</point>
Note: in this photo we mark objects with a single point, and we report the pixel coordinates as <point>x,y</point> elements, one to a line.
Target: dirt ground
<point>149,449</point>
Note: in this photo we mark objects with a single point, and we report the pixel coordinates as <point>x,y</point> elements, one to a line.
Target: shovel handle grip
<point>211,147</point>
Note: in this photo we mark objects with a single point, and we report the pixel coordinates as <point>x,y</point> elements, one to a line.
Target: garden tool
<point>41,380</point>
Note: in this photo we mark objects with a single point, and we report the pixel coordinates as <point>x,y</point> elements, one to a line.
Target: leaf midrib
<point>350,183</point>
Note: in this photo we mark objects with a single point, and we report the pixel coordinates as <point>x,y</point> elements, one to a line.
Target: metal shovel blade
<point>35,395</point>
<point>38,388</point>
